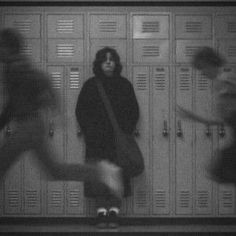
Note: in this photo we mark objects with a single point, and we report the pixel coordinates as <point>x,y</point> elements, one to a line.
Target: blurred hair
<point>207,56</point>
<point>101,57</point>
<point>11,39</point>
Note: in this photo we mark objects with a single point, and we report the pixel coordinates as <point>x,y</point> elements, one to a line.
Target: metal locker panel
<point>193,26</point>
<point>204,142</point>
<point>13,190</point>
<point>161,140</point>
<point>141,77</point>
<point>65,26</point>
<point>228,49</point>
<point>67,50</point>
<point>226,196</point>
<point>74,142</point>
<point>108,26</point>
<point>119,45</point>
<point>225,26</point>
<point>55,189</point>
<point>32,186</point>
<point>28,25</point>
<point>184,144</point>
<point>151,51</point>
<point>185,49</point>
<point>150,26</point>
<point>32,49</point>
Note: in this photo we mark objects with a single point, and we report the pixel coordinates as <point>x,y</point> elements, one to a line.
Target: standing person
<point>29,95</point>
<point>97,128</point>
<point>210,63</point>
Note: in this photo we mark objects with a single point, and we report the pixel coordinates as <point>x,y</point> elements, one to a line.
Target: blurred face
<point>108,66</point>
<point>210,71</point>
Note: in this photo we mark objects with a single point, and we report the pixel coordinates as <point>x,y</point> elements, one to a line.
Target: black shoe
<point>101,222</point>
<point>113,220</point>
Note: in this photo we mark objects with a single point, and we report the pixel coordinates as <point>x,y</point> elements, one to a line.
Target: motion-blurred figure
<point>210,63</point>
<point>29,96</point>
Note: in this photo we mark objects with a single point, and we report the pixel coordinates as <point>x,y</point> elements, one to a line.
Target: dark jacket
<point>27,91</point>
<point>95,124</point>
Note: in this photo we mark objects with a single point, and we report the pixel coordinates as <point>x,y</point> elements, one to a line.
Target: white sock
<point>115,209</point>
<point>102,210</point>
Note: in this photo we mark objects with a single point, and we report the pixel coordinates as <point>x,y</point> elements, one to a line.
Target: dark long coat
<point>95,124</point>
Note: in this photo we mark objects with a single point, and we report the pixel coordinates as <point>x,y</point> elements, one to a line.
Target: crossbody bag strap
<point>108,106</point>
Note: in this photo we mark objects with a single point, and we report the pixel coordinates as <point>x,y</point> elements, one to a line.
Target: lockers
<point>155,48</point>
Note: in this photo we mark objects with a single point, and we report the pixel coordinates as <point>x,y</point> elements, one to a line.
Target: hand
<point>111,176</point>
<point>183,112</point>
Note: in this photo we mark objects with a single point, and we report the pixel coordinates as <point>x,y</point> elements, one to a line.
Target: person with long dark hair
<point>28,97</point>
<point>97,128</point>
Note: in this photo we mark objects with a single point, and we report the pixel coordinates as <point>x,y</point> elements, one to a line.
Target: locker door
<point>193,26</point>
<point>184,144</point>
<point>13,184</point>
<point>151,51</point>
<point>161,140</point>
<point>108,26</point>
<point>74,142</point>
<point>185,49</point>
<point>228,49</point>
<point>55,189</point>
<point>226,192</point>
<point>225,26</point>
<point>26,24</point>
<point>150,26</point>
<point>141,77</point>
<point>203,146</point>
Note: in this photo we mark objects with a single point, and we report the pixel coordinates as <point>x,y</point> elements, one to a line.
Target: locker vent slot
<point>150,27</point>
<point>56,198</point>
<point>74,198</point>
<point>231,52</point>
<point>141,81</point>
<point>185,79</point>
<point>159,80</point>
<point>184,199</point>
<point>141,199</point>
<point>150,51</point>
<point>108,26</point>
<point>23,25</point>
<point>190,50</point>
<point>74,78</point>
<point>13,198</point>
<point>65,50</point>
<point>193,27</point>
<point>202,83</point>
<point>227,199</point>
<point>31,198</point>
<point>202,199</point>
<point>27,50</point>
<point>65,26</point>
<point>231,27</point>
<point>56,79</point>
<point>160,199</point>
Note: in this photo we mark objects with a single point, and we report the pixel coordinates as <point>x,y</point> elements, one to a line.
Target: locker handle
<point>179,129</point>
<point>51,129</point>
<point>136,133</point>
<point>165,131</point>
<point>8,131</point>
<point>79,132</point>
<point>221,131</point>
<point>208,131</point>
